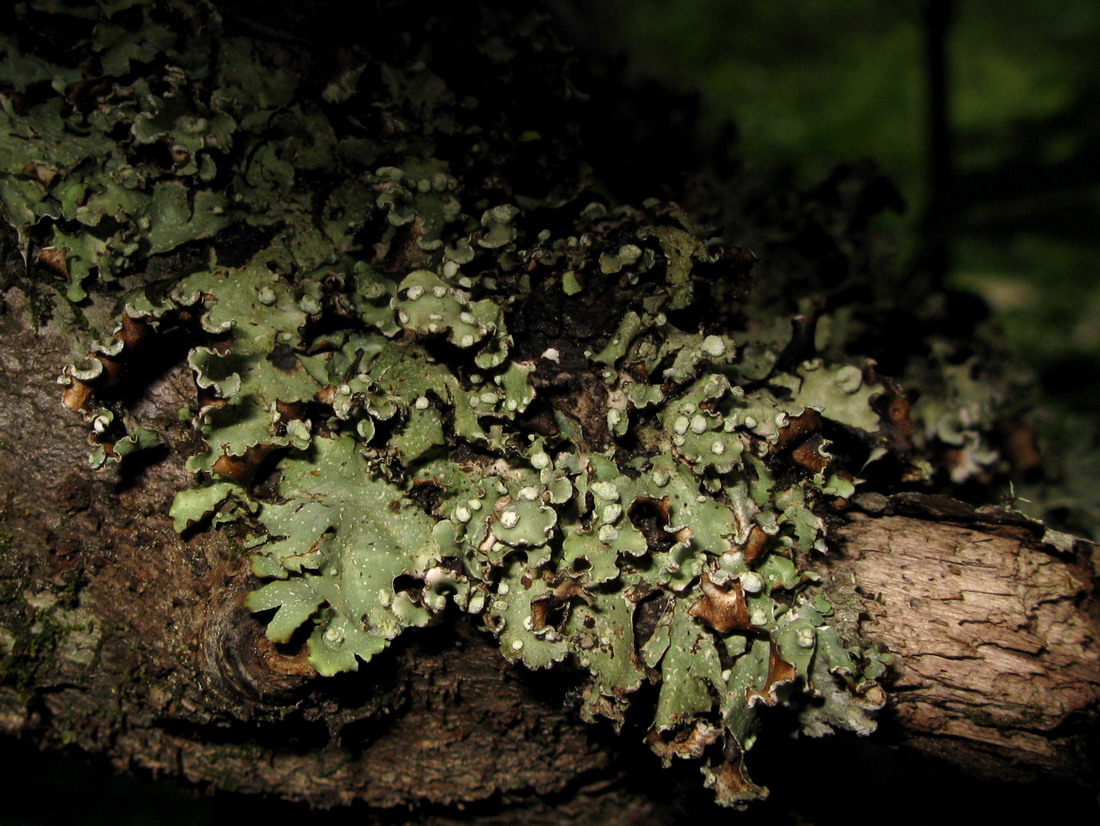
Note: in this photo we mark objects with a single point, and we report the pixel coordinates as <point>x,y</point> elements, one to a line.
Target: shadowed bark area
<point>121,638</point>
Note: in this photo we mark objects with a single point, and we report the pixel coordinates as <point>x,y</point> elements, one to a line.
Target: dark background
<point>986,115</point>
<point>811,85</point>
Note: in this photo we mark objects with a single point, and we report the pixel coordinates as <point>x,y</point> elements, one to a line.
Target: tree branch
<point>995,632</point>
<point>123,639</point>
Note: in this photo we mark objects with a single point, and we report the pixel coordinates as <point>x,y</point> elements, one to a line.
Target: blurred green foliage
<point>811,85</point>
<point>1027,130</point>
<point>808,84</point>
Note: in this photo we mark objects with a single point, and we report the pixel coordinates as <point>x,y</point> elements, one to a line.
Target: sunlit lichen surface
<point>468,381</point>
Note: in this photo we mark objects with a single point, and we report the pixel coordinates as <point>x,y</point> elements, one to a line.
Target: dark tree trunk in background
<point>939,213</point>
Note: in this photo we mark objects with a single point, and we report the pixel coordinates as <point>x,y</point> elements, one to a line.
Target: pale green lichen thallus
<point>635,497</point>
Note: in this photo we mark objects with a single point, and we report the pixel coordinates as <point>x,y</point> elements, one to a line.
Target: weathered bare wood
<point>996,636</point>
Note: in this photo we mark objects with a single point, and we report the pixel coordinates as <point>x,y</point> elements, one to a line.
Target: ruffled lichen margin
<point>447,374</point>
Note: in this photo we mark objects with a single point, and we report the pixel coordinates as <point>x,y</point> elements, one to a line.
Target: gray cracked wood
<point>996,636</point>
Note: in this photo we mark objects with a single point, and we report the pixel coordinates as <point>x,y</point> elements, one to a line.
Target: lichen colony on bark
<point>443,365</point>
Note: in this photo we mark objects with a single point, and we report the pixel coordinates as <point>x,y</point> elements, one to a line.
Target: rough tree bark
<point>121,638</point>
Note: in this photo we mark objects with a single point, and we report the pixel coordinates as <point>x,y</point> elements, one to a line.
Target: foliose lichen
<point>470,390</point>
